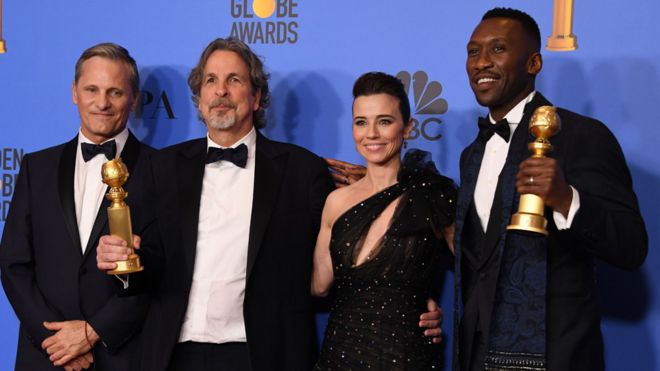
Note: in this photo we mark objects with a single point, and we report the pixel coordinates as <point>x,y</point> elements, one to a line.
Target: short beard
<point>221,122</point>
<point>226,119</point>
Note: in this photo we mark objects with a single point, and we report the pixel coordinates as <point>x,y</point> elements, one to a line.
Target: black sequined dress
<point>373,323</point>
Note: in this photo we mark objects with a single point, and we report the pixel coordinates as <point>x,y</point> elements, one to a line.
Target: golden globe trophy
<point>3,47</point>
<point>544,124</point>
<point>115,174</point>
<point>562,38</point>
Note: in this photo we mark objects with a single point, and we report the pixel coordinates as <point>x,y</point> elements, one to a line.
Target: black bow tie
<point>486,129</point>
<point>237,156</point>
<point>89,150</point>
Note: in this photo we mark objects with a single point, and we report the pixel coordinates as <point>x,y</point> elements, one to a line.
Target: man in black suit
<point>237,218</point>
<point>70,314</point>
<point>529,301</point>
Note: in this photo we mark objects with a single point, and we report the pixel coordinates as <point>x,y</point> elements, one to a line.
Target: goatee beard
<point>221,122</point>
<point>226,119</point>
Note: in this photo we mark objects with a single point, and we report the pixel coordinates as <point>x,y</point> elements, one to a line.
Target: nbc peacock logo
<point>265,21</point>
<point>426,104</point>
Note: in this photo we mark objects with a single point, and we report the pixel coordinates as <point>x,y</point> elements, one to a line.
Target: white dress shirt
<point>215,304</point>
<point>495,155</point>
<point>88,186</point>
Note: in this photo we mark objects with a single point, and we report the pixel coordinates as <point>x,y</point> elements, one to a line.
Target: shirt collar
<point>514,116</point>
<point>120,140</point>
<point>250,140</point>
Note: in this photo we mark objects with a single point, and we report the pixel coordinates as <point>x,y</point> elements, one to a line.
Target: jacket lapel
<point>129,157</point>
<point>517,151</point>
<point>268,172</point>
<point>66,176</point>
<point>190,175</point>
<point>509,201</point>
<point>470,165</point>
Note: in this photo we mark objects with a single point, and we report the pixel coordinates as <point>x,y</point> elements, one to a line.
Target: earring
<point>405,144</point>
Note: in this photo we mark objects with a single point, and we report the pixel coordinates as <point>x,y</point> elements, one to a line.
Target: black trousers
<point>478,356</point>
<point>210,357</point>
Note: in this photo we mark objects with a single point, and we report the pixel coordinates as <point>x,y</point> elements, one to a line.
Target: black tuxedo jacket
<point>44,272</point>
<point>290,187</point>
<point>608,225</point>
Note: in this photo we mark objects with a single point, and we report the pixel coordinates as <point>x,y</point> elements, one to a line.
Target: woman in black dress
<point>380,241</point>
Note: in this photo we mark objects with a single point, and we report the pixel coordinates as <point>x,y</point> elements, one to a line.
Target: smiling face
<point>104,98</point>
<point>378,128</point>
<point>501,64</point>
<point>226,99</point>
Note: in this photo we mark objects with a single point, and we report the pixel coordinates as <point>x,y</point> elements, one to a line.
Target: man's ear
<point>74,95</point>
<point>136,101</point>
<point>257,100</point>
<point>534,63</point>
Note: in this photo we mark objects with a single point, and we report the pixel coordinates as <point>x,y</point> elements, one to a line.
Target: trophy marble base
<point>131,265</point>
<point>528,222</point>
<point>562,43</point>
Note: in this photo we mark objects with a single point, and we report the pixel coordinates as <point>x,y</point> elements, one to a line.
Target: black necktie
<point>237,156</point>
<point>486,129</point>
<point>89,150</point>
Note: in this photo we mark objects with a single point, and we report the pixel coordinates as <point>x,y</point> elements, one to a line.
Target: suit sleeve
<point>17,263</point>
<point>608,223</point>
<point>151,248</point>
<point>123,315</point>
<point>119,320</point>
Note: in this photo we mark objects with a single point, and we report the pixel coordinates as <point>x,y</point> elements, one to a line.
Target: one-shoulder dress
<point>373,322</point>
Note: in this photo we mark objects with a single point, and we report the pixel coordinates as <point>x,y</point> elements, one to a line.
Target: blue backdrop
<point>314,51</point>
